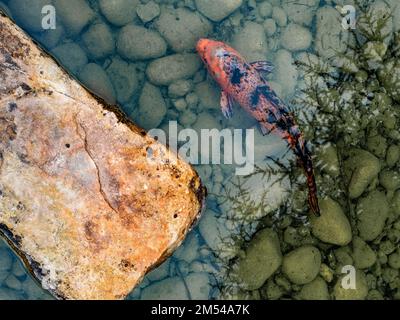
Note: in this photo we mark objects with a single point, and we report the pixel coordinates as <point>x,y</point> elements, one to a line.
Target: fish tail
<point>301,150</point>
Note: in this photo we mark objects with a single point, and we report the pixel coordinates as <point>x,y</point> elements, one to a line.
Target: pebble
<point>362,168</point>
<point>198,285</point>
<point>179,88</point>
<point>389,179</point>
<point>166,70</point>
<point>251,42</point>
<point>296,38</point>
<point>270,26</point>
<point>315,290</point>
<point>187,118</point>
<point>301,11</point>
<point>264,9</point>
<point>331,39</point>
<point>124,78</point>
<point>9,294</point>
<point>18,269</point>
<point>13,283</point>
<point>372,211</point>
<point>363,256</point>
<point>302,265</point>
<point>28,13</point>
<point>168,289</point>
<point>217,10</point>
<point>359,293</point>
<point>119,12</point>
<point>74,14</point>
<point>279,15</point>
<point>152,107</point>
<point>182,28</point>
<point>160,272</point>
<point>209,94</point>
<point>99,41</point>
<point>138,43</point>
<point>147,12</point>
<point>286,72</point>
<point>52,37</point>
<point>188,251</point>
<point>263,257</point>
<point>96,79</point>
<point>332,226</point>
<point>5,260</point>
<point>213,232</point>
<point>71,56</point>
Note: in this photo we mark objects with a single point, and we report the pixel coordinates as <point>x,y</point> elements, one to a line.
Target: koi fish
<point>244,83</point>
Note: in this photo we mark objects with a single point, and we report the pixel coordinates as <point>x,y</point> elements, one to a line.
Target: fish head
<point>217,56</point>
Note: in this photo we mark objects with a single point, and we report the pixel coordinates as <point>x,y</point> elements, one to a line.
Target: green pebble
<point>315,290</point>
<point>302,265</point>
<point>394,260</point>
<point>332,226</point>
<point>263,258</point>
<point>271,291</point>
<point>359,293</point>
<point>377,145</point>
<point>363,256</point>
<point>392,155</point>
<point>343,255</point>
<point>362,168</point>
<point>372,211</point>
<point>389,179</point>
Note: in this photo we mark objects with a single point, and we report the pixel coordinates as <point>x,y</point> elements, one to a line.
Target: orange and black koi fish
<point>243,82</point>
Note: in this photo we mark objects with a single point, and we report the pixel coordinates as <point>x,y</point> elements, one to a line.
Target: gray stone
<point>119,12</point>
<point>28,13</point>
<point>167,289</point>
<point>331,38</point>
<point>182,28</point>
<point>296,38</point>
<point>74,14</point>
<point>96,79</point>
<point>169,69</point>
<point>148,11</point>
<point>217,10</point>
<point>251,42</point>
<point>99,41</point>
<point>198,285</point>
<point>124,78</point>
<point>71,56</point>
<point>138,43</point>
<point>152,107</point>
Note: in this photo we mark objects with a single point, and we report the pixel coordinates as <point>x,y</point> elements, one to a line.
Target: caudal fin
<point>312,196</point>
<point>304,155</point>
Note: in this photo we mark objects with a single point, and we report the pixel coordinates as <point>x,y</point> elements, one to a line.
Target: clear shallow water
<point>94,44</point>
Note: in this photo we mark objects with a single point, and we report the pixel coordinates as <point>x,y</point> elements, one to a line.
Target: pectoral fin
<point>226,105</point>
<point>263,66</point>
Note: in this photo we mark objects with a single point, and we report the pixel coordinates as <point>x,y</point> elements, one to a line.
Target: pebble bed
<point>255,240</point>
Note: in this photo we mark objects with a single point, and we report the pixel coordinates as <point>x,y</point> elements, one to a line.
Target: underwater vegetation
<point>256,240</point>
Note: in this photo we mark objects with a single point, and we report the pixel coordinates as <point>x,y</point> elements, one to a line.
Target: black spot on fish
<point>236,76</point>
